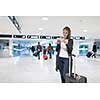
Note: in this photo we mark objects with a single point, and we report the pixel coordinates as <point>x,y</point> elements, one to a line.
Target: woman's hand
<point>56,69</point>
<point>65,41</point>
<point>58,41</point>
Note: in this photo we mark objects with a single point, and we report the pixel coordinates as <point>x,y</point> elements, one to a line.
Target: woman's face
<point>65,33</point>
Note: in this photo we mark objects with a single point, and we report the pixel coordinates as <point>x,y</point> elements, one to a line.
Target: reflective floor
<point>29,69</point>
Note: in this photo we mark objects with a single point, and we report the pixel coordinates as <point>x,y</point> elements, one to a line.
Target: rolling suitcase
<point>45,57</point>
<point>73,77</point>
<point>89,54</point>
<point>36,54</point>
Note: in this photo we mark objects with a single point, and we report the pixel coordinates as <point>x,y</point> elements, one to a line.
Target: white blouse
<point>63,50</point>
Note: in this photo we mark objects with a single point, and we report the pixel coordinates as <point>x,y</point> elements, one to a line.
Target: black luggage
<point>76,79</point>
<point>36,54</point>
<point>89,54</point>
<point>73,77</point>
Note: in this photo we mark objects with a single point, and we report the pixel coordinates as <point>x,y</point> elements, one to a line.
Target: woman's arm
<point>70,46</point>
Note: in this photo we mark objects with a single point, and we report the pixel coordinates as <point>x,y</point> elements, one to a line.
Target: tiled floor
<point>29,69</point>
<point>90,68</point>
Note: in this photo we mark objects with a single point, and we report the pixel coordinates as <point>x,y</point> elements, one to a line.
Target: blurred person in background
<point>33,49</point>
<point>44,50</point>
<point>94,49</point>
<point>49,50</point>
<point>39,49</point>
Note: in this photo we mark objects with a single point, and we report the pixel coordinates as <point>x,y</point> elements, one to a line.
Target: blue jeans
<point>94,55</point>
<point>63,67</point>
<point>39,56</point>
<point>50,54</point>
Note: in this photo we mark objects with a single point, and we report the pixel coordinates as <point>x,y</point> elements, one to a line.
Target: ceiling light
<point>40,29</point>
<point>44,18</point>
<point>84,30</point>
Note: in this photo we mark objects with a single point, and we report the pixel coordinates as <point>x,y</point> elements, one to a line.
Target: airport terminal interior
<point>19,33</point>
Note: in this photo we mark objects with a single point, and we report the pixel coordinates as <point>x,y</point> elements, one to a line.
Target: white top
<point>63,50</point>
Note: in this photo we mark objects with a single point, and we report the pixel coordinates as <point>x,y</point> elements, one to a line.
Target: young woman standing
<point>64,50</point>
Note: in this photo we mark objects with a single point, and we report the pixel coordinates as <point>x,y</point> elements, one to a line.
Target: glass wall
<point>23,47</point>
<point>4,48</point>
<point>83,49</point>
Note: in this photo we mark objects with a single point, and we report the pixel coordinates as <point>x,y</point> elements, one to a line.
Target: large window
<point>83,49</point>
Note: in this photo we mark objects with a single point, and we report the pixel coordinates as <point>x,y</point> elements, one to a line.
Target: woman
<point>64,50</point>
<point>44,50</point>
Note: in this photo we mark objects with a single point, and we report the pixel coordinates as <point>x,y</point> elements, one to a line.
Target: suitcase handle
<point>74,64</point>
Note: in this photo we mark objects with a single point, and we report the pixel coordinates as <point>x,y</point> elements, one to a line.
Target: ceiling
<point>81,25</point>
<point>6,26</point>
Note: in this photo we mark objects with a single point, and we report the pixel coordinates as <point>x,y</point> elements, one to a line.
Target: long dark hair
<point>69,32</point>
